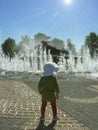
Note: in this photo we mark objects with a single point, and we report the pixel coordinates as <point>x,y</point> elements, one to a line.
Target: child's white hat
<point>50,69</point>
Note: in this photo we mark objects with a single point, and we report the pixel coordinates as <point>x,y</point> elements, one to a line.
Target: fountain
<point>83,65</point>
<point>32,58</point>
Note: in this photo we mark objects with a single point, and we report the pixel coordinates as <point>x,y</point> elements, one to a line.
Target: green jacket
<point>48,88</point>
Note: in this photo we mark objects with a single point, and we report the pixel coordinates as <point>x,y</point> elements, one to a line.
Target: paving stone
<point>22,102</point>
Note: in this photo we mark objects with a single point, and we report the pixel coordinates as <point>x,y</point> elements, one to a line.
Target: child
<point>49,89</point>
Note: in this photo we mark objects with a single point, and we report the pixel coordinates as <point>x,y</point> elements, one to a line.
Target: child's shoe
<point>42,118</point>
<point>55,118</point>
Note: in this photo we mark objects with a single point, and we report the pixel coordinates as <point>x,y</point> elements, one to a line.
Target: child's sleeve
<point>40,84</point>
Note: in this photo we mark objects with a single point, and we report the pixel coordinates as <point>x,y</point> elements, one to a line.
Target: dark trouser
<point>53,105</point>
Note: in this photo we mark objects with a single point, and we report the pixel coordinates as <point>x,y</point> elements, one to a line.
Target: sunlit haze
<point>68,2</point>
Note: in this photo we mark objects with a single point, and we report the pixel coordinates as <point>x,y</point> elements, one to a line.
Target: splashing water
<point>32,58</point>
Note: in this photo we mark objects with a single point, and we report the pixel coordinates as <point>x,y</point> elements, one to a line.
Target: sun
<point>68,2</point>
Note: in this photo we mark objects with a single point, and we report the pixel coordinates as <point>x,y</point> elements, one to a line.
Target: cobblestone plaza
<point>20,106</point>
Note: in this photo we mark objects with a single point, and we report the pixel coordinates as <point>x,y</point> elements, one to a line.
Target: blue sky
<point>52,17</point>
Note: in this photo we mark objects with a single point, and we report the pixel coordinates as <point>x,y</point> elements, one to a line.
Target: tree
<point>57,43</point>
<point>70,46</point>
<point>40,37</point>
<point>91,42</point>
<point>25,45</point>
<point>25,39</point>
<point>82,49</point>
<point>9,47</point>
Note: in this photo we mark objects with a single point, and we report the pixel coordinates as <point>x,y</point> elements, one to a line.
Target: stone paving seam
<point>16,107</point>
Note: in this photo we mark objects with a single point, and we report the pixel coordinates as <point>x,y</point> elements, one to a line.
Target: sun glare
<point>68,2</point>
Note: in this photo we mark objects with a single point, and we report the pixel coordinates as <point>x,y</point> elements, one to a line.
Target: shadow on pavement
<point>11,124</point>
<point>41,126</point>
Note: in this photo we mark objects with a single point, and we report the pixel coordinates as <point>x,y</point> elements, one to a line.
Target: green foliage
<point>40,37</point>
<point>9,47</point>
<point>25,39</point>
<point>91,42</point>
<point>70,46</point>
<point>58,43</point>
<point>25,45</point>
<point>82,49</point>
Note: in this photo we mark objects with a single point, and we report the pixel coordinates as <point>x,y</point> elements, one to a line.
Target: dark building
<point>56,53</point>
